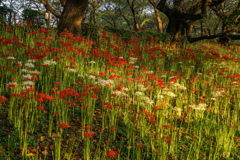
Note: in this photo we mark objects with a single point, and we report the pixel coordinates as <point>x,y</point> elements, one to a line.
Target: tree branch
<point>164,8</point>
<point>108,21</point>
<point>63,2</point>
<point>48,7</point>
<point>221,35</point>
<point>216,2</point>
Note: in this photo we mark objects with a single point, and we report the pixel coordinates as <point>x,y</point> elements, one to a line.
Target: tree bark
<point>135,18</point>
<point>159,21</point>
<point>72,16</point>
<point>136,25</point>
<point>175,26</point>
<point>179,20</point>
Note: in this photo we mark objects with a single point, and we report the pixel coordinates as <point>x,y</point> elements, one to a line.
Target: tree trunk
<point>72,16</point>
<point>189,30</point>
<point>202,32</point>
<point>175,27</point>
<point>135,18</point>
<point>224,40</point>
<point>159,21</point>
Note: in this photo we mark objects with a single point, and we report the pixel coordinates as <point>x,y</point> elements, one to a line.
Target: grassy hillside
<point>105,98</point>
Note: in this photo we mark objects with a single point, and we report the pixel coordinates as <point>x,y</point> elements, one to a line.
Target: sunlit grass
<point>68,97</point>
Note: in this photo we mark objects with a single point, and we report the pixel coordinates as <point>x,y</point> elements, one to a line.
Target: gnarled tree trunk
<point>72,16</point>
<point>175,26</point>
<point>157,14</point>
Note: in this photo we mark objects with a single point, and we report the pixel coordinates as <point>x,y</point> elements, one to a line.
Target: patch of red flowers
<point>88,134</point>
<point>63,125</point>
<point>111,154</point>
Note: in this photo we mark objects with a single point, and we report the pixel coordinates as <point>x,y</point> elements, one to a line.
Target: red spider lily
<point>156,108</point>
<point>113,95</point>
<point>166,126</point>
<point>68,102</point>
<point>85,94</point>
<point>40,100</point>
<point>57,83</point>
<point>96,89</point>
<point>41,95</point>
<point>108,105</point>
<point>4,67</point>
<point>78,81</point>
<point>15,94</point>
<point>149,115</point>
<point>113,129</point>
<point>30,90</point>
<point>80,99</point>
<point>238,138</point>
<point>139,146</point>
<point>89,27</point>
<point>94,96</point>
<point>88,134</point>
<point>41,108</point>
<point>91,85</point>
<point>18,65</point>
<point>85,106</point>
<point>73,104</point>
<point>23,95</point>
<point>50,98</point>
<point>168,140</point>
<point>3,99</point>
<point>111,154</point>
<point>87,128</point>
<point>63,125</point>
<point>209,108</point>
<point>45,66</point>
<point>153,120</point>
<point>54,88</point>
<point>56,113</point>
<point>202,99</point>
<point>11,85</point>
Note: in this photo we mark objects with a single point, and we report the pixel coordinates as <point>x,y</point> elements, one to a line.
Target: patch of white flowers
<point>133,60</point>
<point>72,70</point>
<point>91,77</point>
<point>148,100</point>
<point>170,94</point>
<point>92,62</point>
<point>178,110</point>
<point>199,107</point>
<point>49,62</point>
<point>138,93</point>
<point>34,72</point>
<point>27,76</point>
<point>105,82</point>
<point>30,83</point>
<point>218,94</point>
<point>160,96</point>
<point>29,65</point>
<point>120,93</point>
<point>141,87</point>
<point>31,61</point>
<point>136,67</point>
<point>10,58</point>
<point>177,85</point>
<point>125,89</point>
<point>149,72</point>
<point>80,75</point>
<point>164,76</point>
